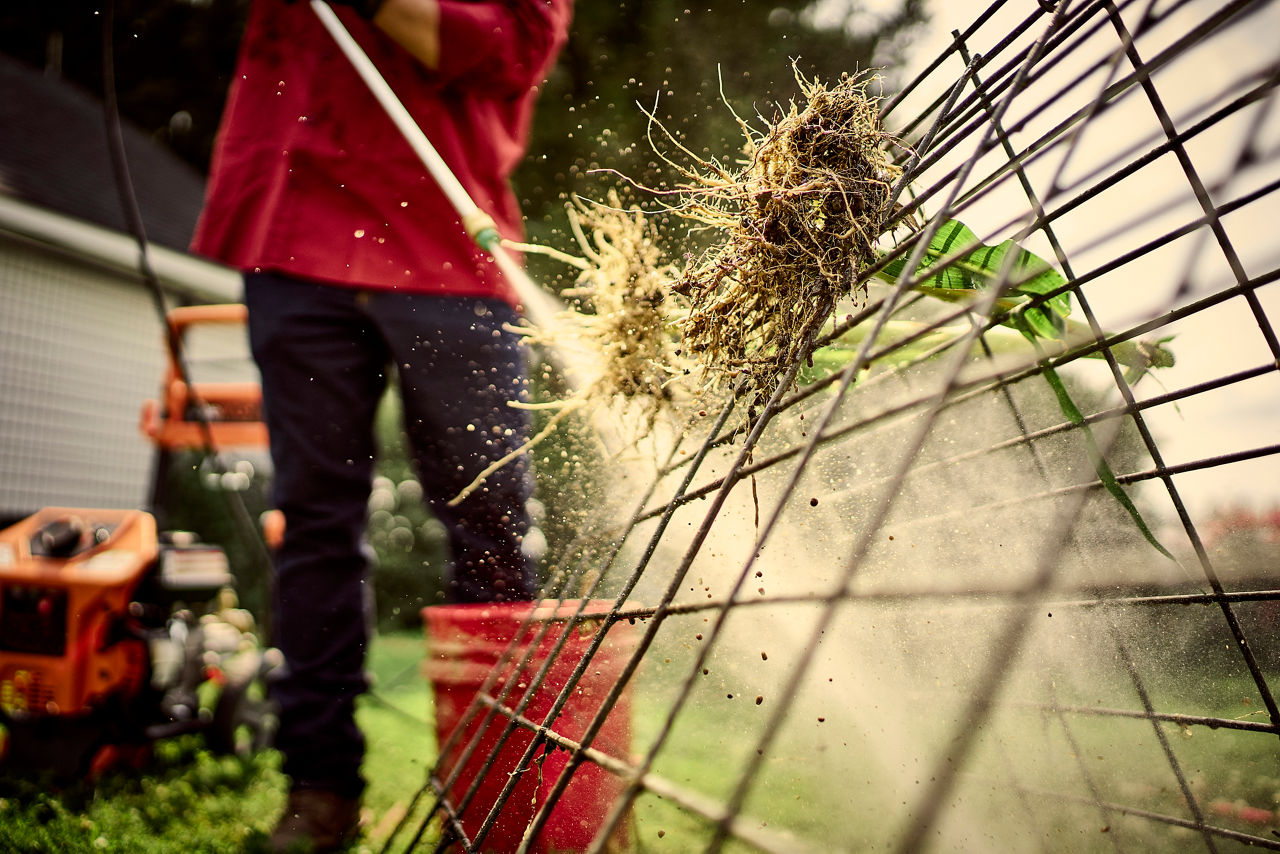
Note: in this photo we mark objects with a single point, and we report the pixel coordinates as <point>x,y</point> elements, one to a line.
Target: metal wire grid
<point>1008,121</point>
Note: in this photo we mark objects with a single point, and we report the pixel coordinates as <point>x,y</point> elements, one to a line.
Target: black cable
<point>243,523</point>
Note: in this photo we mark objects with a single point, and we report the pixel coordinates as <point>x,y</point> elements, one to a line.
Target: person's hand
<point>365,8</point>
<point>413,24</point>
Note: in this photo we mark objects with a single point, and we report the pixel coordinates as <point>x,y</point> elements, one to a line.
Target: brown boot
<point>314,821</point>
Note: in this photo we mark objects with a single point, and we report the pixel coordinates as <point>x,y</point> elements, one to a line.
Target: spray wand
<point>541,308</point>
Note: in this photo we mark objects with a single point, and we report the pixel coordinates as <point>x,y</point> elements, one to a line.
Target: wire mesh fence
<point>969,589</point>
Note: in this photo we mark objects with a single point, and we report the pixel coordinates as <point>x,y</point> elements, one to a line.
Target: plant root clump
<point>796,223</point>
<point>625,327</point>
<point>618,340</point>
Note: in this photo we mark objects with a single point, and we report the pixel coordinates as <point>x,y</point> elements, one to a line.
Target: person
<point>353,263</point>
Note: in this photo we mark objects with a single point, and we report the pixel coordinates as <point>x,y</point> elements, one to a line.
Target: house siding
<point>80,349</point>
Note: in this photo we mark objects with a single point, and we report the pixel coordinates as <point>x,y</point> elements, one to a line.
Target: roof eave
<point>180,273</point>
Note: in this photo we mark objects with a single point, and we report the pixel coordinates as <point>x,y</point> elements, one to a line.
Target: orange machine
<point>230,412</point>
<point>69,578</point>
<point>113,635</point>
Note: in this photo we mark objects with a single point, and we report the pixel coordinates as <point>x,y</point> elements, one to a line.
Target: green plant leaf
<point>964,266</point>
<point>951,237</point>
<point>1100,466</point>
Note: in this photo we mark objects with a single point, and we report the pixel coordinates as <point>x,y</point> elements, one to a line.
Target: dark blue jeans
<point>324,353</point>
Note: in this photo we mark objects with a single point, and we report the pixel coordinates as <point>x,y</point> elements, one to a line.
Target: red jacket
<point>310,178</point>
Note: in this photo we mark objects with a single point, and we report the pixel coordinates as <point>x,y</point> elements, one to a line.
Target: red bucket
<point>464,644</point>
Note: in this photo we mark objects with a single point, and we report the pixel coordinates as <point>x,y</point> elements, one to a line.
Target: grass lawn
<point>187,799</point>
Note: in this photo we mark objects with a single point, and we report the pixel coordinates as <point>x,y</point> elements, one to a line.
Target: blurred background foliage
<point>685,64</point>
<point>193,494</point>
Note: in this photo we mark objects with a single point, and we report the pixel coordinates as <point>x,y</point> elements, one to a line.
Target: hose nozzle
<point>482,229</point>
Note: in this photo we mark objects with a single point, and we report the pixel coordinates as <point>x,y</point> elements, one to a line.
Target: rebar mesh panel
<point>972,594</point>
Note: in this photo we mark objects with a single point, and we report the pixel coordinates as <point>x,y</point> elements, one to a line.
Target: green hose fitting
<point>482,228</point>
<point>488,238</point>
